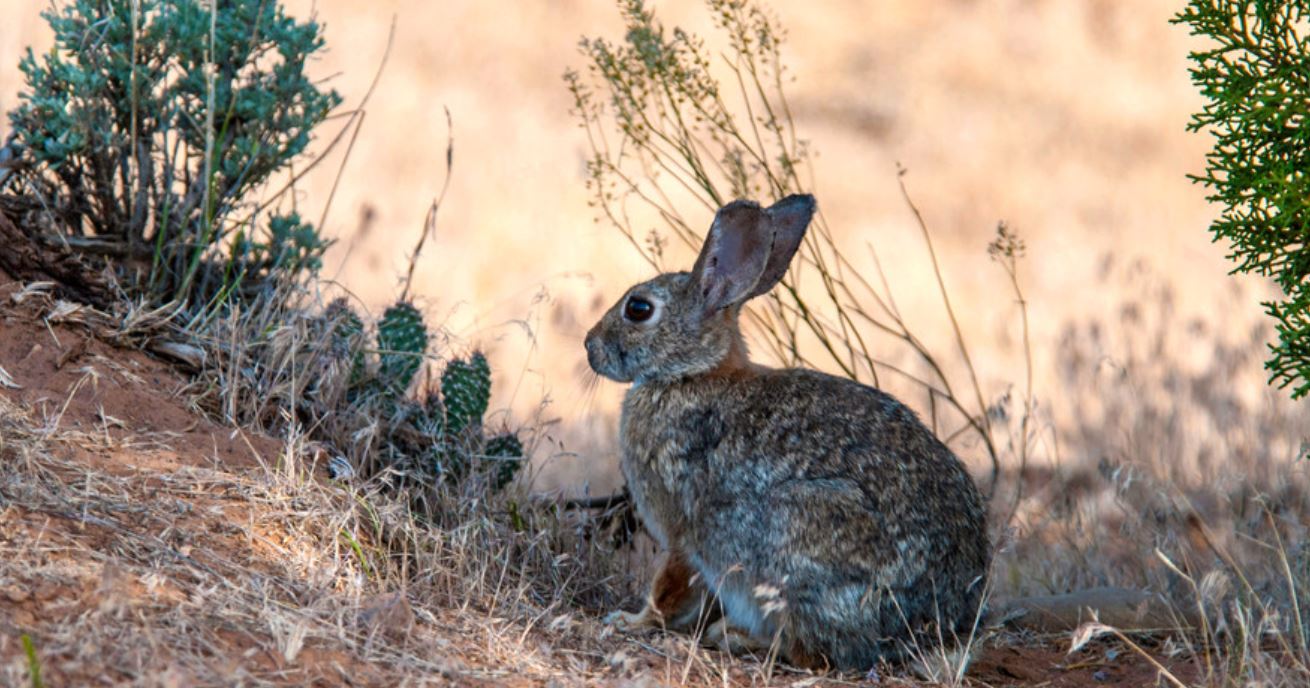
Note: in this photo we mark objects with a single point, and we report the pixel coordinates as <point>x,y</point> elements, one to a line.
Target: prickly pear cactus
<point>402,341</point>
<point>346,323</point>
<point>506,453</point>
<point>447,463</point>
<point>466,389</point>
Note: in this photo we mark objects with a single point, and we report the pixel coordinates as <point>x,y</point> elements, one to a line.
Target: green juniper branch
<point>1256,78</point>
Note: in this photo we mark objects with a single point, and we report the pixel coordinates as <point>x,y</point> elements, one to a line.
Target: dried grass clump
<point>1174,477</point>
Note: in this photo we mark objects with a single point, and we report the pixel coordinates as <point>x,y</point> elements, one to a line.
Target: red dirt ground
<point>1048,664</point>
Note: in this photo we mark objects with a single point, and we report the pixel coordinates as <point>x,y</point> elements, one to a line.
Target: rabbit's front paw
<point>628,621</point>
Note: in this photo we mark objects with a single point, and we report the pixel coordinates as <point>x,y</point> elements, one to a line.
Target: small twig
<point>430,223</point>
<point>606,502</point>
<point>358,118</point>
<point>959,335</point>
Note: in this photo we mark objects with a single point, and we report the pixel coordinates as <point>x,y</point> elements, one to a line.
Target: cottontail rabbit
<point>817,515</point>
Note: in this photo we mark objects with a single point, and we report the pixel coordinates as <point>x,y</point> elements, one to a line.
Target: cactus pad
<point>347,330</point>
<point>466,389</point>
<point>506,451</point>
<point>402,341</point>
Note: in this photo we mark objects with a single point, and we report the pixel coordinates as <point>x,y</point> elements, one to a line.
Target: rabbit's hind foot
<point>677,599</point>
<point>633,621</point>
<point>726,637</point>
<point>733,640</point>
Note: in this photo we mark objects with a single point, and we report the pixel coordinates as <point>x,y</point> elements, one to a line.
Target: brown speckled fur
<point>821,513</point>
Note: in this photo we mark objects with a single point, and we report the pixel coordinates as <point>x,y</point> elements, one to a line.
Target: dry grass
<point>1178,475</point>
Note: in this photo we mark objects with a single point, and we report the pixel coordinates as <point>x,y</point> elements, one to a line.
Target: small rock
<point>16,594</point>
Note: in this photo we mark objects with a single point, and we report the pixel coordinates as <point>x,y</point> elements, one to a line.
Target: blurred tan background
<point>1063,117</point>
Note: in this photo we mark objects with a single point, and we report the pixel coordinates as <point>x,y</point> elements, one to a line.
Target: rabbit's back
<point>831,493</point>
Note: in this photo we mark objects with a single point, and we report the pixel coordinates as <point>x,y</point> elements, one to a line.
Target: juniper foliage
<point>1255,75</point>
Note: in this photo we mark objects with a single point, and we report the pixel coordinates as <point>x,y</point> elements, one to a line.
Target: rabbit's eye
<point>638,309</point>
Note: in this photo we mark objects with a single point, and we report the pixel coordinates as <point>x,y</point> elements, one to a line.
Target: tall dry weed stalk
<point>671,140</point>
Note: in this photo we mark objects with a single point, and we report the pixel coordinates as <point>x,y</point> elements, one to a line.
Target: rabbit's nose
<point>593,352</point>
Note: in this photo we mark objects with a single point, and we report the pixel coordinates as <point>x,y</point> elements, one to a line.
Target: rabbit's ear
<point>788,218</point>
<point>735,254</point>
